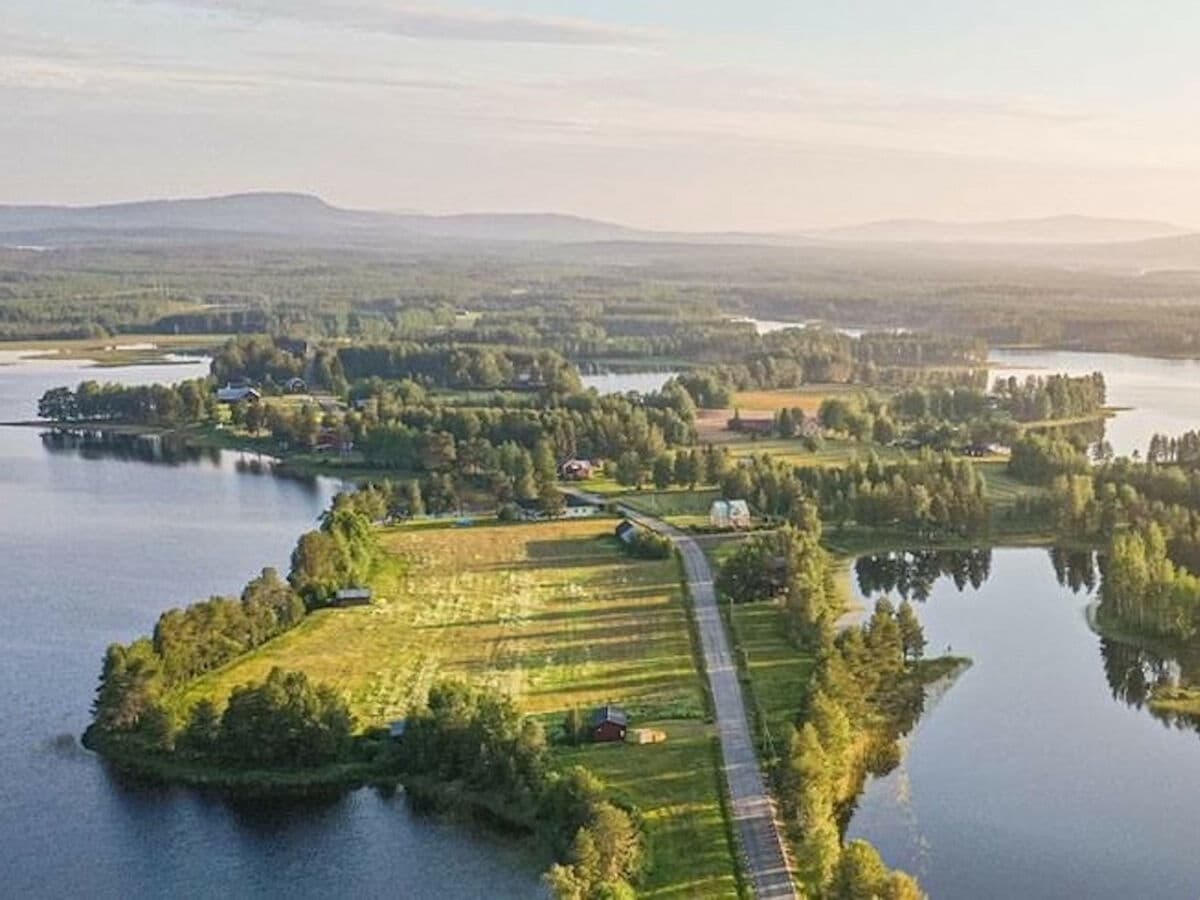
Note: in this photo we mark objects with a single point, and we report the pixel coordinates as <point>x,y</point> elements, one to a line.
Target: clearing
<point>556,616</point>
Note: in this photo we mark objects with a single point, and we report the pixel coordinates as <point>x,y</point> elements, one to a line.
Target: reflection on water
<point>1043,771</point>
<point>166,450</point>
<point>913,573</point>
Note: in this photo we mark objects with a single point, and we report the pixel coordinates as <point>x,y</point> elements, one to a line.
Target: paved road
<point>753,813</point>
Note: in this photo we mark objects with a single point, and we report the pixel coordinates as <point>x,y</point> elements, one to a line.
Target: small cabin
<point>609,724</point>
<point>625,531</point>
<point>355,596</point>
<point>729,514</point>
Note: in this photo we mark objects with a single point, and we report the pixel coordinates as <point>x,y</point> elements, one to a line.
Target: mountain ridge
<point>284,213</point>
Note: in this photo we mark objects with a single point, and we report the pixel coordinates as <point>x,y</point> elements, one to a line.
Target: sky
<point>690,114</point>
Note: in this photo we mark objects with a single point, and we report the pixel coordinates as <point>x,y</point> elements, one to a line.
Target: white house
<point>729,514</point>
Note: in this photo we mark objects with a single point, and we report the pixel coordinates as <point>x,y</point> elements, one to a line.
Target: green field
<point>778,673</point>
<point>124,350</point>
<point>556,616</point>
<point>679,506</point>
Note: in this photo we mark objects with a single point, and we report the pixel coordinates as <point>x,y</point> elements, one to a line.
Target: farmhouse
<point>354,596</point>
<point>237,393</point>
<point>729,514</point>
<point>579,508</point>
<point>609,724</point>
<point>751,426</point>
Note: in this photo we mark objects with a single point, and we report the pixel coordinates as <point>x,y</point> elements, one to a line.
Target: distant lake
<point>1036,775</point>
<point>1163,394</point>
<point>95,543</point>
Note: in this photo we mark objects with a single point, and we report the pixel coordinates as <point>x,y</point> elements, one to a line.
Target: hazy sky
<point>683,114</point>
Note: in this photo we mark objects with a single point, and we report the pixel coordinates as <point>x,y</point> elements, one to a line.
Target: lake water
<point>1163,395</point>
<point>94,544</point>
<point>1031,777</point>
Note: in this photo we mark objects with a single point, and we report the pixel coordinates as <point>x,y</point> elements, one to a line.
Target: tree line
<point>135,681</point>
<point>930,496</point>
<point>867,691</point>
<point>476,740</point>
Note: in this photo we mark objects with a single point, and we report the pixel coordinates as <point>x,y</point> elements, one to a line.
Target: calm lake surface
<point>94,545</point>
<point>1029,777</point>
<point>1163,394</point>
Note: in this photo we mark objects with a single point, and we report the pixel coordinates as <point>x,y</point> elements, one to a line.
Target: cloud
<point>406,20</point>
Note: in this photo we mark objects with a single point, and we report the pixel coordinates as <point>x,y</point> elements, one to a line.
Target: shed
<point>609,724</point>
<point>625,531</point>
<point>355,596</point>
<point>296,386</point>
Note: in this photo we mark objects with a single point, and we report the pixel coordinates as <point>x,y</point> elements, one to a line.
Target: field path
<point>753,812</point>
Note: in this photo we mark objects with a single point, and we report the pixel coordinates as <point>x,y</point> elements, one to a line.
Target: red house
<point>609,724</point>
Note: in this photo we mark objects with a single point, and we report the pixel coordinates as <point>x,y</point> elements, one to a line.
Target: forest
<point>630,300</point>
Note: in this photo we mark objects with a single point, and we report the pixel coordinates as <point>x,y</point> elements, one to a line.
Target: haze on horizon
<point>768,116</point>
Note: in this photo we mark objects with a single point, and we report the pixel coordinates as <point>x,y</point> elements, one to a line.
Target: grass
<point>774,671</point>
<point>674,504</point>
<point>556,616</point>
<point>807,398</point>
<point>833,451</point>
<point>677,787</point>
<point>123,350</point>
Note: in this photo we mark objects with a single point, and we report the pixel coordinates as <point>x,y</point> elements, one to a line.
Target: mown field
<point>124,350</point>
<point>556,616</point>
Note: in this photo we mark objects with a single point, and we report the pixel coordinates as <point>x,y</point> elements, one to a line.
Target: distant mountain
<point>280,218</point>
<point>1052,230</point>
<point>267,213</point>
<point>299,215</point>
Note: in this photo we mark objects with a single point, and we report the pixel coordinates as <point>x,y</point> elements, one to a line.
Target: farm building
<point>296,386</point>
<point>609,724</point>
<point>237,393</point>
<point>625,531</point>
<point>729,514</point>
<point>356,596</point>
<point>579,508</point>
<point>577,470</point>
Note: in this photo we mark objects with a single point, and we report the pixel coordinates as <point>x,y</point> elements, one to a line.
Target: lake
<point>1030,776</point>
<point>1163,395</point>
<point>95,542</point>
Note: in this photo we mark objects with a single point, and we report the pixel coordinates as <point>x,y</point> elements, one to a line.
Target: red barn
<point>609,724</point>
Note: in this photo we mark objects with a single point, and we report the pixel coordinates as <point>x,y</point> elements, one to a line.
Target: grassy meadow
<point>553,614</point>
<point>123,350</point>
